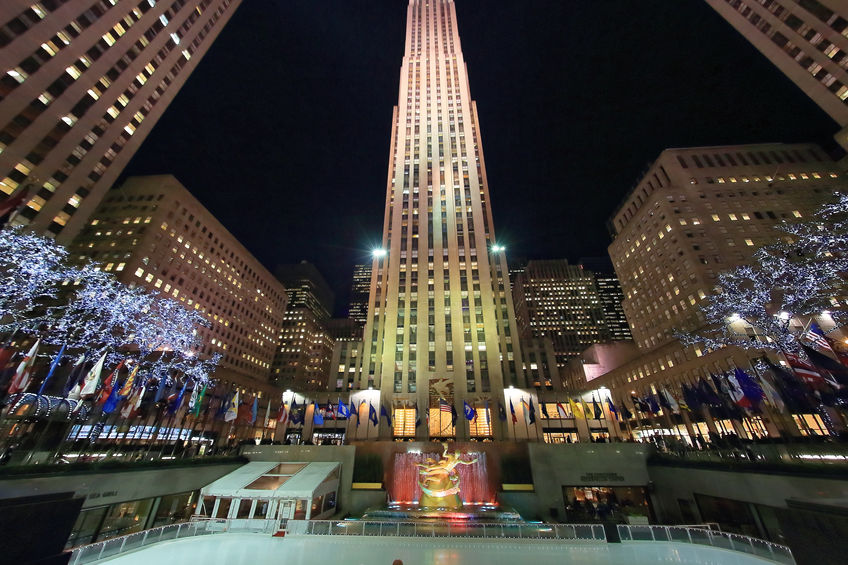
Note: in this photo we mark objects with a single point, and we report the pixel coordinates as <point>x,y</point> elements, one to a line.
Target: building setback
<point>83,83</point>
<point>152,232</point>
<point>441,326</point>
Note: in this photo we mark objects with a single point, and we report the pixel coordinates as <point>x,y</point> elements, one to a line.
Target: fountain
<point>451,485</point>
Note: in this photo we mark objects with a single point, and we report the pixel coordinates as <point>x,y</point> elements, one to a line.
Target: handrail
<point>196,527</point>
<point>701,536</point>
<point>492,530</point>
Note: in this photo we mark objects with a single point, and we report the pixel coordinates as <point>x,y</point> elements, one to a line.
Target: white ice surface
<point>259,549</point>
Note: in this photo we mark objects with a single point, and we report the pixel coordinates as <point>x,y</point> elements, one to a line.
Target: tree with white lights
<point>797,276</point>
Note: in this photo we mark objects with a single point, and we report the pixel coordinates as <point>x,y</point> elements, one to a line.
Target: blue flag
<point>358,411</point>
<point>417,417</point>
<point>112,401</point>
<point>160,390</point>
<point>254,409</point>
<point>172,409</point>
<point>488,420</point>
<point>294,414</point>
<point>317,417</point>
<point>532,412</point>
<point>52,368</point>
<point>612,408</point>
<point>384,412</point>
<point>470,412</point>
<point>344,411</point>
<point>372,414</point>
<point>453,415</point>
<point>501,412</point>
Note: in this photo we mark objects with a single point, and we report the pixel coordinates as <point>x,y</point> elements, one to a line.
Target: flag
<point>512,412</point>
<point>561,410</point>
<point>294,414</point>
<point>736,394</point>
<point>691,397</point>
<point>344,411</point>
<point>488,415</point>
<point>232,407</point>
<point>417,417</point>
<point>111,401</point>
<point>470,412</point>
<point>651,402</point>
<point>359,412</point>
<point>771,394</point>
<point>355,410</point>
<point>444,406</point>
<point>160,388</point>
<point>750,388</point>
<point>597,411</point>
<point>23,374</point>
<point>384,412</point>
<point>670,401</point>
<point>175,404</point>
<point>453,415</point>
<point>833,372</point>
<point>816,337</point>
<point>576,410</point>
<point>612,409</point>
<point>133,402</point>
<point>372,414</point>
<point>282,414</point>
<point>532,413</point>
<point>254,410</point>
<point>110,383</point>
<point>73,377</point>
<point>805,370</point>
<point>13,202</point>
<point>198,402</point>
<point>52,368</point>
<point>545,410</point>
<point>501,412</point>
<point>331,409</point>
<point>92,378</point>
<point>317,417</point>
<point>128,384</point>
<point>625,412</point>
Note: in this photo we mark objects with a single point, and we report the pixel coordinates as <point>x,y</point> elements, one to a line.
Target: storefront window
<point>329,501</point>
<point>561,436</point>
<point>125,518</point>
<point>316,506</point>
<point>86,526</point>
<point>223,507</point>
<point>261,509</point>
<point>174,508</point>
<point>621,504</point>
<point>300,509</point>
<point>244,508</point>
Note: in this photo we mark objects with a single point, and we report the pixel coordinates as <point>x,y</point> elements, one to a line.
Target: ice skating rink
<point>258,549</point>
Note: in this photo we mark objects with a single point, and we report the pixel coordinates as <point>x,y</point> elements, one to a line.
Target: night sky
<point>282,131</point>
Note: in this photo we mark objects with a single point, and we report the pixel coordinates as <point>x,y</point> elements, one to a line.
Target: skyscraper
<point>83,83</point>
<point>441,327</point>
<point>358,309</point>
<point>302,361</point>
<point>806,40</point>
<point>610,295</point>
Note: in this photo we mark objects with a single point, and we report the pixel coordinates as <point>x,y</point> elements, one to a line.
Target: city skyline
<point>554,155</point>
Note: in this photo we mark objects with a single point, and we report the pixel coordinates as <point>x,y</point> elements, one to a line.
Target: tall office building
<point>698,212</point>
<point>560,301</point>
<point>806,39</point>
<point>610,295</point>
<point>358,305</point>
<point>83,83</point>
<point>441,325</point>
<point>303,356</point>
<point>153,233</point>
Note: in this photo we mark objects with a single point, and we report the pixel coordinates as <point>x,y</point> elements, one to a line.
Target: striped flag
<point>816,337</point>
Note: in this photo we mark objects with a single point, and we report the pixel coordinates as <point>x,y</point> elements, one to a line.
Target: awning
<point>267,479</point>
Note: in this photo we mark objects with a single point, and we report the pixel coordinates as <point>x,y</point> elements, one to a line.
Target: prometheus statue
<point>439,481</point>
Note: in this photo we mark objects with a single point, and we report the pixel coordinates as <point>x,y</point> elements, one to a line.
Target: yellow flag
<point>576,410</point>
<point>128,384</point>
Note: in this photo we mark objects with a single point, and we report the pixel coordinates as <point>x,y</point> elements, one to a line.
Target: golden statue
<point>439,481</point>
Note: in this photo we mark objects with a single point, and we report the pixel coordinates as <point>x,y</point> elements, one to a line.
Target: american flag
<point>803,369</point>
<point>444,406</point>
<point>816,337</point>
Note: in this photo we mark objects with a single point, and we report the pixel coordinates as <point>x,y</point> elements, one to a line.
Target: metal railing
<point>504,530</point>
<point>701,536</point>
<point>198,527</point>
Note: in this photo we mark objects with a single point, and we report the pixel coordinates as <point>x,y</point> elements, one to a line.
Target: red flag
<point>12,203</point>
<point>110,382</point>
<point>805,370</point>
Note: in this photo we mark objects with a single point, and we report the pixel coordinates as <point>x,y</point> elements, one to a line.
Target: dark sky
<point>283,129</point>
